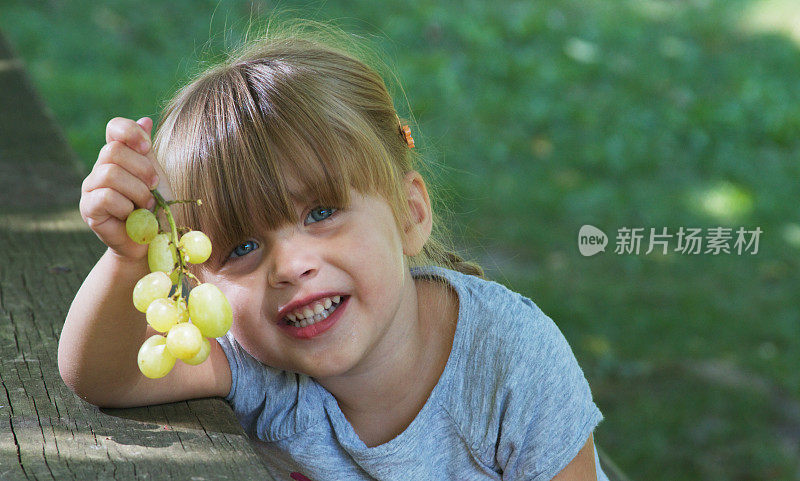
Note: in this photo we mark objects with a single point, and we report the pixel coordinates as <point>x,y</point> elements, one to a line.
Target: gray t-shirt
<point>511,403</point>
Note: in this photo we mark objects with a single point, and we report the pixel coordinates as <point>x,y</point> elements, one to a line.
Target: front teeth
<point>314,313</point>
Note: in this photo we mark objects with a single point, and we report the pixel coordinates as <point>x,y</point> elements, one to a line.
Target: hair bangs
<point>255,164</point>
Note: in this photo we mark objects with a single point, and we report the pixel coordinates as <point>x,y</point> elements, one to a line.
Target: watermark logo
<point>591,240</point>
<point>689,240</point>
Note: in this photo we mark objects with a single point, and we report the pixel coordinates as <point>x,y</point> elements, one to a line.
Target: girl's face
<point>342,270</point>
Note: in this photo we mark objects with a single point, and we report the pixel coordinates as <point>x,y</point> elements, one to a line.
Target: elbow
<point>99,392</point>
<point>76,381</point>
<point>97,379</point>
<point>66,368</point>
<point>68,363</point>
<point>71,376</point>
<point>84,391</point>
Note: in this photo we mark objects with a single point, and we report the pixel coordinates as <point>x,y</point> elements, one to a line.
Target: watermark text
<point>685,240</point>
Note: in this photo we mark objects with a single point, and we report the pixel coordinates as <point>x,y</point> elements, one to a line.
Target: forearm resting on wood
<point>102,333</point>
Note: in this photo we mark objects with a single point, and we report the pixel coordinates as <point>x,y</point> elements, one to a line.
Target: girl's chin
<point>329,364</point>
<point>333,368</point>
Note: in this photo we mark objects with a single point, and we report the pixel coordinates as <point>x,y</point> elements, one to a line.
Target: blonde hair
<point>298,103</point>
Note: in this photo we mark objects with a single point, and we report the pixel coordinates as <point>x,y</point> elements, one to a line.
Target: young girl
<point>360,348</point>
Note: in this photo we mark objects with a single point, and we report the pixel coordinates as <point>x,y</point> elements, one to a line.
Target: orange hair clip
<point>405,131</point>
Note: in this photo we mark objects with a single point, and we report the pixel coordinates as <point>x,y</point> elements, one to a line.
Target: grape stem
<point>164,204</point>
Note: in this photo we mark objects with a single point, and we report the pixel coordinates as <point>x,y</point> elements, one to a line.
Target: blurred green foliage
<point>543,117</point>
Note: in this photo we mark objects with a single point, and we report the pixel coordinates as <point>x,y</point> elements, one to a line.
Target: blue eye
<point>318,214</point>
<point>244,248</point>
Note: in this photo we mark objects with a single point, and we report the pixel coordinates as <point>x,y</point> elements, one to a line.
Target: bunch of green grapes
<point>185,322</point>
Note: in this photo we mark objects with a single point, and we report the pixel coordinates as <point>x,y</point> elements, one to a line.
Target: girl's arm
<point>101,338</point>
<point>103,331</point>
<point>582,466</point>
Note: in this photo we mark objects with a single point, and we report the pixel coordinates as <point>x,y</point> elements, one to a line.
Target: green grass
<point>547,116</point>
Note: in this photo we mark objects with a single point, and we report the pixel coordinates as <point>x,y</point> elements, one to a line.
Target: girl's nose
<point>292,262</point>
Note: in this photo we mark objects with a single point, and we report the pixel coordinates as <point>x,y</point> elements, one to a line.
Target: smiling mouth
<point>314,313</point>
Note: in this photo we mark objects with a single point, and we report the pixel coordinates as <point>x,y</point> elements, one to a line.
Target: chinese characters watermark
<point>688,240</point>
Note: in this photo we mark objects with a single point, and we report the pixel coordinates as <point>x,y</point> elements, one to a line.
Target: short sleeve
<point>248,385</point>
<point>270,403</point>
<point>553,413</point>
<point>226,342</point>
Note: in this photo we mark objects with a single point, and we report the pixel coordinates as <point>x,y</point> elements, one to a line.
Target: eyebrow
<point>300,196</point>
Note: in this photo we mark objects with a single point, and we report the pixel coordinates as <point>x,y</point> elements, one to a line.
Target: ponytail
<point>435,253</point>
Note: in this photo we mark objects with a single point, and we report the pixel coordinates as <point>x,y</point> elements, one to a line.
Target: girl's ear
<point>418,225</point>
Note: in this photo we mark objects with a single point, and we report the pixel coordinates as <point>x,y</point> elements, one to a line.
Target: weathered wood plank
<point>46,431</point>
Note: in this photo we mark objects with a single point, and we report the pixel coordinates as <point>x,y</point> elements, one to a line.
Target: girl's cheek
<point>233,293</point>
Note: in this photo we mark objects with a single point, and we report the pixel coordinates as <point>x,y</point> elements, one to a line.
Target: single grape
<point>201,355</point>
<point>155,285</point>
<point>162,314</point>
<point>141,226</point>
<point>154,359</point>
<point>196,246</point>
<point>209,310</point>
<point>161,255</point>
<point>184,340</point>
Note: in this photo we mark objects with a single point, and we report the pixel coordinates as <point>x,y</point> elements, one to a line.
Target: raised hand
<point>120,182</point>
